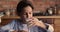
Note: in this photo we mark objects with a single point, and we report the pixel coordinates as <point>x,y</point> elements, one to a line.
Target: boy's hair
<point>23,4</point>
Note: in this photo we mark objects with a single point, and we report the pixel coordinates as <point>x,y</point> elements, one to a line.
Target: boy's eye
<point>24,13</point>
<point>29,13</point>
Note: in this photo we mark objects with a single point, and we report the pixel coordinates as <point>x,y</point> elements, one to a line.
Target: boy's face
<point>26,13</point>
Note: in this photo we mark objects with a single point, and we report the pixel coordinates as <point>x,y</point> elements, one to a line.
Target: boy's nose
<point>28,16</point>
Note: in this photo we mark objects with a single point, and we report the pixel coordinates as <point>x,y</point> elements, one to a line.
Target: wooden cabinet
<point>57,25</point>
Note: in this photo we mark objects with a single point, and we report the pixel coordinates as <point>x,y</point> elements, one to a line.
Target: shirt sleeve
<point>41,29</point>
<point>50,28</point>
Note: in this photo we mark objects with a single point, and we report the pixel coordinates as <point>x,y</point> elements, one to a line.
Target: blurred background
<point>42,6</point>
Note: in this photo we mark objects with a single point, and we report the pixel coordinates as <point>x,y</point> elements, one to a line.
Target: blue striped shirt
<point>16,25</point>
